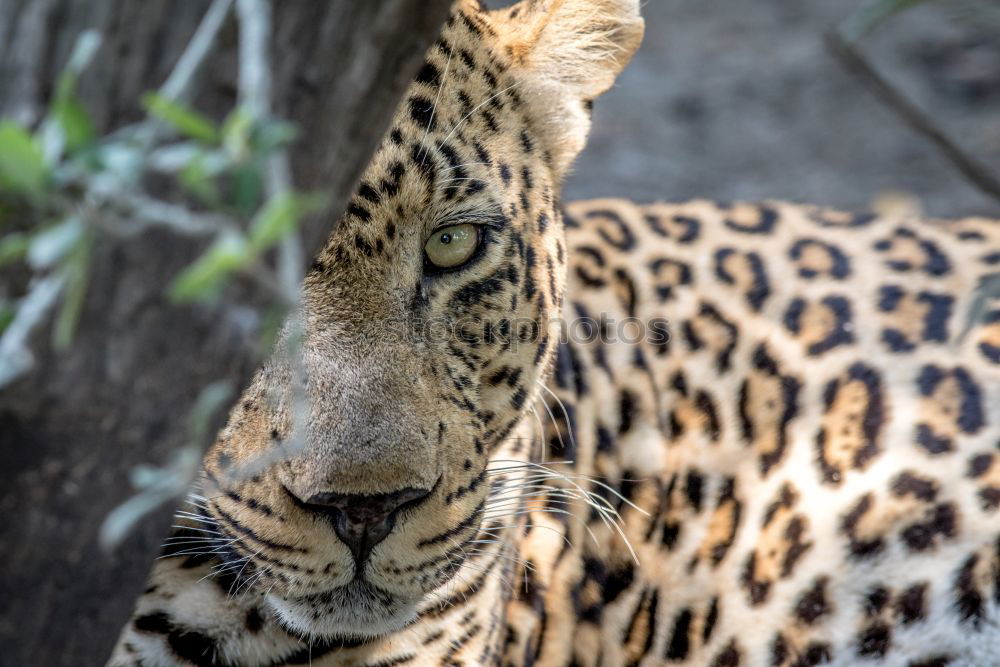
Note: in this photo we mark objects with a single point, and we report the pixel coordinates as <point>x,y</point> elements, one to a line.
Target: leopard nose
<point>362,521</point>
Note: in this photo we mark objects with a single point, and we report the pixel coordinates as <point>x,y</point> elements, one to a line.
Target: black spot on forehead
<point>424,163</point>
<point>465,102</point>
<point>481,153</point>
<point>467,58</point>
<point>471,25</point>
<point>366,191</point>
<point>362,245</point>
<point>422,112</point>
<point>526,142</point>
<point>490,120</point>
<point>443,44</point>
<point>359,211</point>
<point>429,75</point>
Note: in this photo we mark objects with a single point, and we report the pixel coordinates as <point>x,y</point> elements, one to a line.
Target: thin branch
<point>176,85</point>
<point>178,82</point>
<point>255,96</point>
<point>867,17</point>
<point>15,357</point>
<point>140,211</point>
<point>854,62</point>
<point>255,71</point>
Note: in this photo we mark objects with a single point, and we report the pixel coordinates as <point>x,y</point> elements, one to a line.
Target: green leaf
<point>13,247</point>
<point>50,245</point>
<point>274,134</point>
<point>194,178</point>
<point>22,165</point>
<point>184,120</point>
<point>75,122</point>
<point>204,279</point>
<point>280,216</point>
<point>68,124</point>
<point>77,271</point>
<point>247,188</point>
<point>84,50</point>
<point>236,131</point>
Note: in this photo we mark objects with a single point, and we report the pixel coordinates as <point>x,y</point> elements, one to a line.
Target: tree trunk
<point>71,431</point>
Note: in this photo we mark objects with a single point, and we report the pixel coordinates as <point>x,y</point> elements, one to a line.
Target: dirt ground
<point>741,100</point>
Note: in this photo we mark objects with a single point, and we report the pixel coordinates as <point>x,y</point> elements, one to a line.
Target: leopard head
<point>351,477</point>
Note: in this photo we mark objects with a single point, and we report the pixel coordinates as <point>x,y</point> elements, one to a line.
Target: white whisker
<point>240,573</point>
<point>466,164</point>
<point>430,120</point>
<point>197,530</point>
<point>474,109</point>
<point>569,426</point>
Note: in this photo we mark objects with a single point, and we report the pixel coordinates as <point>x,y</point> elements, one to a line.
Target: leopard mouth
<point>357,610</point>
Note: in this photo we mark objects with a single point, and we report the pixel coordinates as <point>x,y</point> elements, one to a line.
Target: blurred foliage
<point>63,187</point>
<point>157,485</point>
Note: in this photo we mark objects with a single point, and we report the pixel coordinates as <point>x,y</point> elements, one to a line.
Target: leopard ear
<point>566,53</point>
<point>583,44</point>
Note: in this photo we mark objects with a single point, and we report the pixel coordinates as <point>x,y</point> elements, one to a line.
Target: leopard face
<point>348,485</point>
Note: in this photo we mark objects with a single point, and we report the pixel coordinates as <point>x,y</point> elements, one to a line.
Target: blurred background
<point>737,100</point>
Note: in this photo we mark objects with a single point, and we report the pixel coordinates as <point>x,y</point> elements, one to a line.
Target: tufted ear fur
<point>569,52</point>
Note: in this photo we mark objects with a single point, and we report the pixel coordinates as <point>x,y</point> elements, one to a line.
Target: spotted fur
<point>795,462</point>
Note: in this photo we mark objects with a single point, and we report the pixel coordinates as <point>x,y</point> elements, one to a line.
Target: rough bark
<point>71,431</point>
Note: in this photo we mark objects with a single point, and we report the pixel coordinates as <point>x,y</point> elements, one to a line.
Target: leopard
<point>501,430</point>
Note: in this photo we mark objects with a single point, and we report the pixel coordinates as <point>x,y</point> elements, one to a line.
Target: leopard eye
<point>451,246</point>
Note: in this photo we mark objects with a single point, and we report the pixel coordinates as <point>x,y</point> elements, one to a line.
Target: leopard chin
<point>358,610</point>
